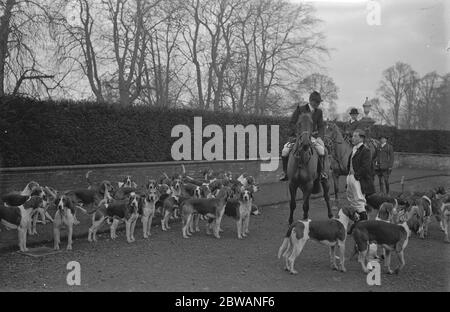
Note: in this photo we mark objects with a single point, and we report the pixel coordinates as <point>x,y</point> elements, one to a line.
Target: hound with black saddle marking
<point>19,217</point>
<point>441,211</point>
<point>392,237</point>
<point>386,213</point>
<point>212,208</point>
<point>118,210</point>
<point>85,198</point>
<point>331,232</point>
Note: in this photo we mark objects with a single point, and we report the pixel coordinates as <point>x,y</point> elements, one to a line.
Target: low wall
<point>422,161</point>
<point>69,177</point>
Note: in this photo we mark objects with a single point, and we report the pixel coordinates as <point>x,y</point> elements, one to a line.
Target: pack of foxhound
<point>207,199</point>
<point>215,195</point>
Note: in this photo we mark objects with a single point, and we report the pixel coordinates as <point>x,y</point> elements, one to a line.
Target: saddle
<point>304,156</point>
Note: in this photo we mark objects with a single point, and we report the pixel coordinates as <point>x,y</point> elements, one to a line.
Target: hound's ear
<point>120,184</point>
<point>70,203</point>
<point>102,188</point>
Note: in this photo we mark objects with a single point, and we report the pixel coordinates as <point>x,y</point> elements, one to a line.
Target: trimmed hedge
<point>42,133</point>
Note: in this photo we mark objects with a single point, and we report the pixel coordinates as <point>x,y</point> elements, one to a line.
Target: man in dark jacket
<point>316,139</point>
<point>353,124</point>
<point>359,180</point>
<point>384,161</point>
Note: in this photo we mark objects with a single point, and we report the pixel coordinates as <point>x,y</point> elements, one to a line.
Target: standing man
<point>384,161</point>
<point>353,123</point>
<point>318,133</point>
<point>359,179</point>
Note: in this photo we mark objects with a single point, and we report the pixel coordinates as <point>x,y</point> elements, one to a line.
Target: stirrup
<point>284,177</point>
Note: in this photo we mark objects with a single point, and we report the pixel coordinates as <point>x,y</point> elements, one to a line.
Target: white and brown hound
<point>240,209</point>
<point>331,232</point>
<point>147,208</point>
<point>64,217</point>
<point>19,217</point>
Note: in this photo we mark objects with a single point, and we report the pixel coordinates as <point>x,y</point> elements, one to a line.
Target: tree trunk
<point>4,34</point>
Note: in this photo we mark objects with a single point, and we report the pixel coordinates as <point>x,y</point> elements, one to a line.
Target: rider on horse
<point>318,128</point>
<point>351,125</point>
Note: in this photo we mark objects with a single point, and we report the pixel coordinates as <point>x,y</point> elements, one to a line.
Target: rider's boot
<point>284,176</point>
<point>323,173</point>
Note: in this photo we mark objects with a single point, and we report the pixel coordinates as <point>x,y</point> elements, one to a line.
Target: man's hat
<point>354,111</point>
<point>315,96</point>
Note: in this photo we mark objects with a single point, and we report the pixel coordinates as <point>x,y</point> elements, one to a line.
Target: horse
<point>340,150</point>
<point>302,169</point>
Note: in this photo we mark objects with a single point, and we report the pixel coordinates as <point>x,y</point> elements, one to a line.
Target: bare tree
<point>284,42</point>
<point>162,67</point>
<point>427,102</point>
<point>130,41</point>
<point>191,39</point>
<point>78,39</point>
<point>409,110</point>
<point>392,87</point>
<point>23,70</point>
<point>443,104</point>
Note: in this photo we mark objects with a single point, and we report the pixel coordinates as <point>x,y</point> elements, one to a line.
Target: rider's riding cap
<point>354,111</point>
<point>315,96</point>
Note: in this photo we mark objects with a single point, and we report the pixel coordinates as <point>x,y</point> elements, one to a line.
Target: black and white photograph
<point>224,150</point>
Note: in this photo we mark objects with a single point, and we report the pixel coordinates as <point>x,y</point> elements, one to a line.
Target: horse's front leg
<point>336,186</point>
<point>293,194</point>
<point>307,190</point>
<point>326,195</point>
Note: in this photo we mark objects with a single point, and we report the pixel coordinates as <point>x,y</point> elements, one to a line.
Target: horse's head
<point>304,129</point>
<point>331,130</point>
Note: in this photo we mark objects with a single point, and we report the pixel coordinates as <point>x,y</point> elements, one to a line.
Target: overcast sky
<point>412,31</point>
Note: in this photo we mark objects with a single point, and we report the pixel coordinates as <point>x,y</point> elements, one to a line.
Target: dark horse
<point>302,169</point>
<point>340,151</point>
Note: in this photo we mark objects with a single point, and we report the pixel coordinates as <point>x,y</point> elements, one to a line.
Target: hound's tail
<point>87,177</point>
<point>402,182</point>
<point>286,245</point>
